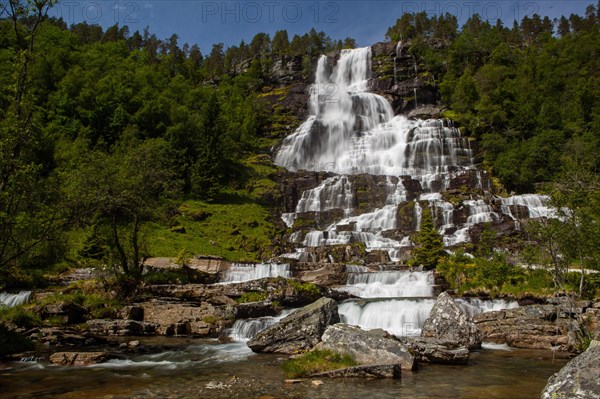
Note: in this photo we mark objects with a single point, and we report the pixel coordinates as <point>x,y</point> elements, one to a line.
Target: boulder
<point>428,350</point>
<point>80,358</point>
<point>449,325</point>
<point>364,371</point>
<point>132,313</point>
<point>367,347</point>
<point>299,331</point>
<point>578,379</point>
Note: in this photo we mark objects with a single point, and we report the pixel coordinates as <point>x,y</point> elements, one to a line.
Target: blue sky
<point>208,22</point>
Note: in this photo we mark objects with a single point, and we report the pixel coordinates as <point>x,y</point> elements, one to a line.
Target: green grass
<point>317,361</point>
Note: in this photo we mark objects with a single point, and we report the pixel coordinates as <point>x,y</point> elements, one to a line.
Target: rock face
<point>187,318</point>
<point>121,327</point>
<point>578,379</point>
<point>298,332</point>
<point>373,347</point>
<point>539,326</point>
<point>80,358</point>
<point>364,371</point>
<point>287,292</point>
<point>449,325</point>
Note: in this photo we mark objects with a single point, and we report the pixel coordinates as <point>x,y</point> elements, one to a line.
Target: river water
<point>206,369</point>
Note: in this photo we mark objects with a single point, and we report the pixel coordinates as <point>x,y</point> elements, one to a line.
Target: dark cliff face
<point>406,82</point>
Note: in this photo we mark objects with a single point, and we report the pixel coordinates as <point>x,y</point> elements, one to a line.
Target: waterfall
<point>398,54</point>
<point>351,132</point>
<point>405,317</point>
<point>240,272</point>
<point>11,300</point>
<point>245,329</point>
<point>389,284</point>
<point>537,205</point>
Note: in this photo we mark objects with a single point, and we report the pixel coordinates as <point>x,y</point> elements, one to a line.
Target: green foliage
<point>525,93</point>
<point>252,296</point>
<point>21,316</point>
<point>183,275</point>
<point>308,290</point>
<point>316,361</point>
<point>429,246</point>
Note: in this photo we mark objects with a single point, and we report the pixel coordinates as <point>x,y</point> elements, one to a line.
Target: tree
<point>27,218</point>
<point>281,42</point>
<point>121,192</point>
<point>429,246</point>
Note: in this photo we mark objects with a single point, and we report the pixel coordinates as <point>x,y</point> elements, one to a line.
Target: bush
<point>316,361</point>
<point>21,316</point>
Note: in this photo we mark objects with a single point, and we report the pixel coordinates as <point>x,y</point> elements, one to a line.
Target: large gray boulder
<point>450,326</point>
<point>367,347</point>
<point>299,331</point>
<point>578,379</point>
<point>428,350</point>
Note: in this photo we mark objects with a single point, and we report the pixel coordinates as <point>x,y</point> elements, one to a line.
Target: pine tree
<point>429,246</point>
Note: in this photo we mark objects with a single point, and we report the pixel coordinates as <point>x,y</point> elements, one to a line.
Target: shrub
<point>252,296</point>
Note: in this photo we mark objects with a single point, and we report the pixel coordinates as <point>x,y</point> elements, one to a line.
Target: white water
<point>246,329</point>
<point>405,317</point>
<point>351,131</point>
<point>390,284</point>
<point>402,317</point>
<point>240,272</point>
<point>11,300</point>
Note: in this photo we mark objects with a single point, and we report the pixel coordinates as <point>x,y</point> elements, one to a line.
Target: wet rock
<point>364,371</point>
<point>532,327</point>
<point>426,112</point>
<point>300,331</point>
<point>372,347</point>
<point>68,312</point>
<point>132,313</point>
<point>449,325</point>
<point>327,275</point>
<point>80,358</point>
<point>578,379</point>
<point>121,327</point>
<point>429,350</point>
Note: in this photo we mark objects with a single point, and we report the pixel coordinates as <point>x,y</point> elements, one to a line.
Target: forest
<point>109,138</point>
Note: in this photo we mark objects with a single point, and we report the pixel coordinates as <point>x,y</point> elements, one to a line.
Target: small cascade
<point>240,272</point>
<point>390,284</point>
<point>402,317</point>
<point>398,55</point>
<point>475,306</point>
<point>418,216</point>
<point>537,205</point>
<point>12,300</point>
<point>416,81</point>
<point>405,317</point>
<point>480,212</point>
<point>245,329</point>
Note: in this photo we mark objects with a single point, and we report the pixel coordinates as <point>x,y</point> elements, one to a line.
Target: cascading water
<point>240,272</point>
<point>351,131</point>
<point>390,284</point>
<point>11,300</point>
<point>399,302</point>
<point>245,329</point>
